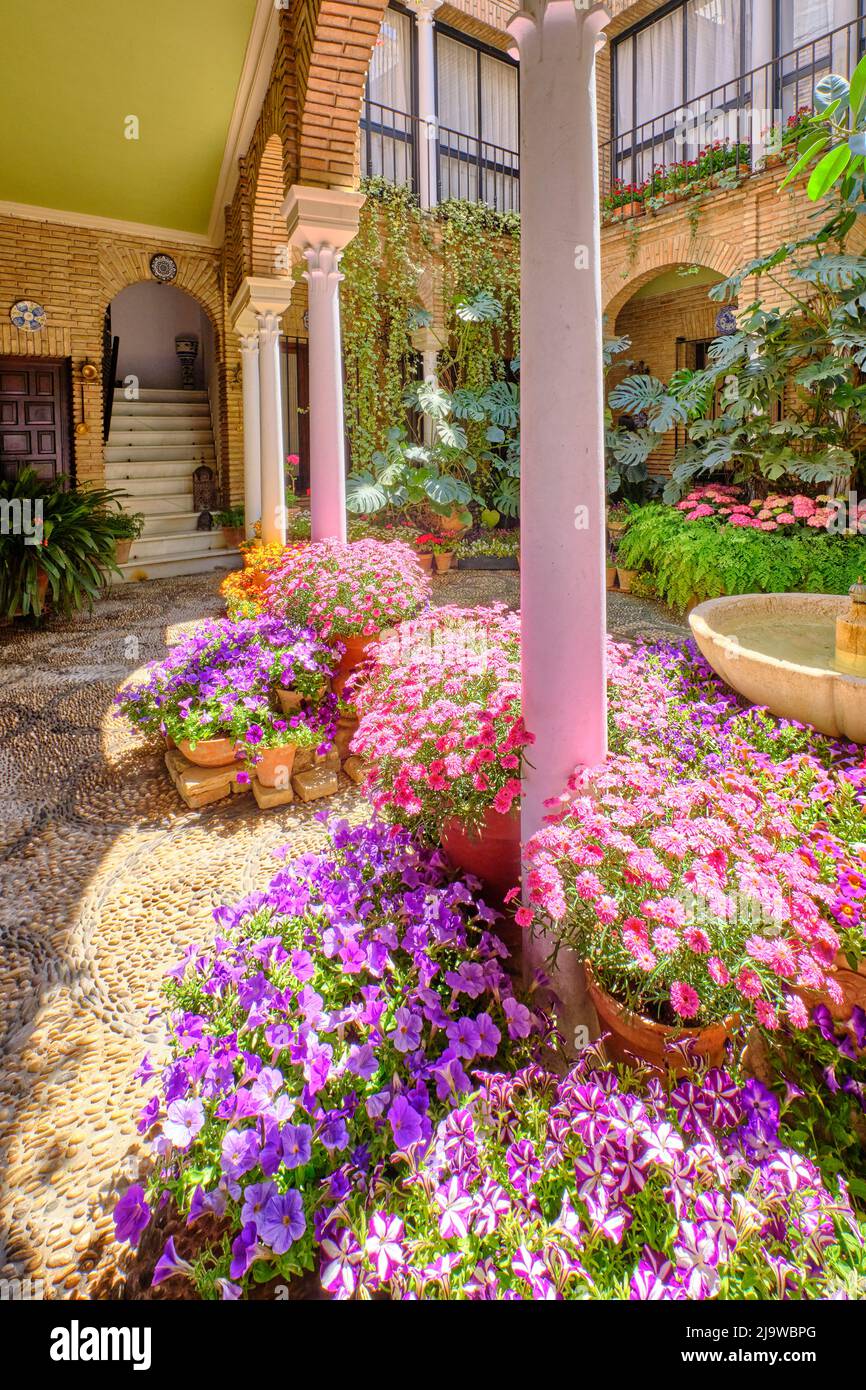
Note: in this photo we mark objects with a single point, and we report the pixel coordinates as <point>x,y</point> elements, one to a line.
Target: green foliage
<point>230,517</point>
<point>698,560</point>
<point>835,137</point>
<point>77,550</point>
<point>791,402</point>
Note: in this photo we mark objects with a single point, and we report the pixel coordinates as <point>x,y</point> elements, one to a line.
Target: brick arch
<point>197,276</point>
<point>663,253</point>
<point>267,225</point>
<point>334,41</point>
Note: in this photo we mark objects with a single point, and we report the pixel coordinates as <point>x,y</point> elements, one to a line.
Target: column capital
<point>424,9</point>
<point>249,343</point>
<point>258,295</point>
<point>533,16</point>
<point>322,216</point>
<point>323,274</point>
<point>269,326</point>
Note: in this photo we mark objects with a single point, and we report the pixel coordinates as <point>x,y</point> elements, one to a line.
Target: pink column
<point>562,416</point>
<point>327,429</point>
<point>320,223</point>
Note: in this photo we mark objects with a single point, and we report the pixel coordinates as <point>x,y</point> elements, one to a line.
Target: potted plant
<point>214,694</point>
<point>625,578</point>
<point>127,527</point>
<point>65,554</point>
<point>348,592</point>
<point>231,519</point>
<point>424,550</point>
<point>610,567</point>
<point>687,899</point>
<point>443,553</point>
<point>442,734</point>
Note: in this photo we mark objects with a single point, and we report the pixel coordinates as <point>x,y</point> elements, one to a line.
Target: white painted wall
<point>147,318</point>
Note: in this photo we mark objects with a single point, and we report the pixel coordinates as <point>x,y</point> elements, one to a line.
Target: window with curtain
<point>814,40</point>
<point>691,57</point>
<point>387,129</point>
<point>477,104</point>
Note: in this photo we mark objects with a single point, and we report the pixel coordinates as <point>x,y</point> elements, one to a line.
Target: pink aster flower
<point>685,1000</point>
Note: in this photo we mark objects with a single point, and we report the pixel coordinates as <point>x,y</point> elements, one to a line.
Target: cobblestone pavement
<point>106,878</point>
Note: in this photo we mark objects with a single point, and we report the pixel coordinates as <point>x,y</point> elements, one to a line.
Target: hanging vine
<point>477,252</point>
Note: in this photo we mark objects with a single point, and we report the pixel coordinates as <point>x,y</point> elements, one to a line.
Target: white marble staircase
<point>154,446</point>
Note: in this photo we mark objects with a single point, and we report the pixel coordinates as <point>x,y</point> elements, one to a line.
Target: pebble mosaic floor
<point>107,877</point>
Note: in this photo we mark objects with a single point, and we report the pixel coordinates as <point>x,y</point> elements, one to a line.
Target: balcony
<point>729,133</point>
<point>435,162</point>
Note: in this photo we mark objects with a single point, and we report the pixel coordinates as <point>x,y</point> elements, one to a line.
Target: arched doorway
<point>162,428</point>
<point>670,322</point>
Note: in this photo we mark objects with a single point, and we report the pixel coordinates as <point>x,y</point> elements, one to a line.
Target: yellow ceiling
<point>74,71</point>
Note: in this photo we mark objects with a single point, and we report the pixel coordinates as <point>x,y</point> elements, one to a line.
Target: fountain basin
<point>778,650</point>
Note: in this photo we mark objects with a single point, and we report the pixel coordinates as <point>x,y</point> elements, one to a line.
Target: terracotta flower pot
<point>493,855</point>
<point>289,701</point>
<point>121,551</point>
<point>347,726</point>
<point>209,752</point>
<point>426,561</point>
<point>610,571</point>
<point>235,535</point>
<point>625,578</point>
<point>356,650</point>
<point>632,1036</point>
<point>443,561</point>
<point>274,766</point>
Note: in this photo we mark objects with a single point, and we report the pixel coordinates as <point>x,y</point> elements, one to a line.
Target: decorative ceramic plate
<point>28,315</point>
<point>163,267</point>
<point>726,322</point>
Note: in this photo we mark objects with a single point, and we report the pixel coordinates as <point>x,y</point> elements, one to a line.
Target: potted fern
<point>127,527</point>
<point>231,519</point>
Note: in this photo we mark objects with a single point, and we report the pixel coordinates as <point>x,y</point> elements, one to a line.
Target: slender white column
<point>562,507</point>
<point>764,115</point>
<point>252,433</point>
<point>327,429</point>
<point>271,418</point>
<point>429,133</point>
<point>430,372</point>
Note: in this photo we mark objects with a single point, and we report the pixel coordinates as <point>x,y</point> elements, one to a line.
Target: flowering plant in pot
<point>442,733</point>
<point>216,685</point>
<point>443,553</point>
<point>424,549</point>
<point>348,591</point>
<point>688,899</point>
<point>326,1030</point>
<point>601,1185</point>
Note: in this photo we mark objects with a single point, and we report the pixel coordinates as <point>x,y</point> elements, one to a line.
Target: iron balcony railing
<point>437,162</point>
<point>735,125</point>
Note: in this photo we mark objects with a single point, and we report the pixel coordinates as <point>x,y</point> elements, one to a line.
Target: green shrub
<point>699,560</point>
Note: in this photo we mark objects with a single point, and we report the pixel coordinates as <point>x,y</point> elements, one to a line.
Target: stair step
<point>159,424</point>
<point>178,438</point>
<point>179,471</point>
<point>187,542</point>
<point>159,409</point>
<point>153,504</point>
<point>158,394</point>
<point>180,564</point>
<point>156,453</point>
<point>167,523</point>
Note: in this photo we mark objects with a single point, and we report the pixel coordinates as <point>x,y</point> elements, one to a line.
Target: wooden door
<point>34,416</point>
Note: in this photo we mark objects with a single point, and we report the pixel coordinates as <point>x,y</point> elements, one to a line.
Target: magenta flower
<point>405,1123</point>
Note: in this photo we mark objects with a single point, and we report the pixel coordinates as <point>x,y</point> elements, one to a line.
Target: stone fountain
<point>801,655</point>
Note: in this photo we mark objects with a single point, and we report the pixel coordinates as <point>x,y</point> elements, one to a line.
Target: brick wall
<point>74,272</point>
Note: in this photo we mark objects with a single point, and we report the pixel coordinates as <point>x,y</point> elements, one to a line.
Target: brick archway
<point>334,41</point>
<point>662,253</point>
<point>268,232</point>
